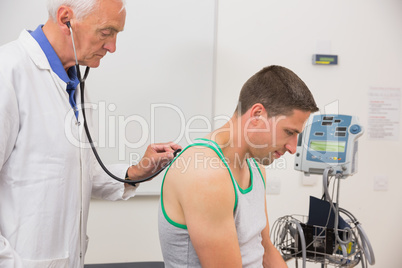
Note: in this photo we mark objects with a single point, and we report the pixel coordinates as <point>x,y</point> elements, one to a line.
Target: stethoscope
<point>82,87</point>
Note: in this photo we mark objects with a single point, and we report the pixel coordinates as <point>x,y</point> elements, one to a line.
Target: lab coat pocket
<point>54,263</point>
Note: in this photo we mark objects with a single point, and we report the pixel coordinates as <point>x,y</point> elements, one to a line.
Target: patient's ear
<point>257,112</point>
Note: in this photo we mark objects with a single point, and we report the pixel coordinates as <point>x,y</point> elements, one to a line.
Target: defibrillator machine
<point>329,140</point>
<point>330,234</point>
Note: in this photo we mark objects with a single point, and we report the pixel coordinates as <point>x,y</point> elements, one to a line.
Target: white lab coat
<point>46,180</point>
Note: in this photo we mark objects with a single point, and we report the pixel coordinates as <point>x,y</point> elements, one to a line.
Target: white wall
<point>366,34</point>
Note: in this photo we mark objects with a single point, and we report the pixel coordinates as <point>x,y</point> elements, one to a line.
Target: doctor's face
<point>96,34</point>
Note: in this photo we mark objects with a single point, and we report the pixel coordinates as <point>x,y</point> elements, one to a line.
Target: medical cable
<point>298,231</point>
<point>327,171</point>
<point>367,248</point>
<point>302,240</point>
<point>287,228</point>
<point>82,88</point>
<point>289,220</point>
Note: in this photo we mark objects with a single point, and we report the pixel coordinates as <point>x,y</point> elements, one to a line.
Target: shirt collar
<point>54,61</point>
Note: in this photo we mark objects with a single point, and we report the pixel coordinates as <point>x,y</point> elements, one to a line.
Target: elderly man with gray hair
<point>46,181</point>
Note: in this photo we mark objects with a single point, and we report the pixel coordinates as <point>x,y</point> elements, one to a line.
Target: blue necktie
<point>71,87</point>
<point>71,93</point>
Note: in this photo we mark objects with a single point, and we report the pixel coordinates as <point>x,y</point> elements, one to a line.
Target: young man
<point>46,181</point>
<point>213,207</point>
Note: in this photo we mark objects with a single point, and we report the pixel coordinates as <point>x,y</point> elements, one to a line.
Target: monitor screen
<point>328,146</point>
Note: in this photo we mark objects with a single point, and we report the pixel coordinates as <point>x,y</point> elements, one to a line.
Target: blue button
<point>354,129</point>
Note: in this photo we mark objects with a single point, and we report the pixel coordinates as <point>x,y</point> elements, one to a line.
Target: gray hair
<point>81,8</point>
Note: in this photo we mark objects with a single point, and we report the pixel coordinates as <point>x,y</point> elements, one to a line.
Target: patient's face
<point>278,135</point>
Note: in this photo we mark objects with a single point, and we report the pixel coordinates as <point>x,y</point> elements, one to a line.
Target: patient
<point>213,207</point>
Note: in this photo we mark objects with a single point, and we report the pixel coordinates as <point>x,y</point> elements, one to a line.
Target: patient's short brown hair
<point>279,90</point>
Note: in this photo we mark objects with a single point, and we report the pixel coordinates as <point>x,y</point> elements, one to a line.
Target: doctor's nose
<point>110,46</point>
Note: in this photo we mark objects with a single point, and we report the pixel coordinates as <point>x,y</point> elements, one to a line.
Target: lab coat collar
<point>34,50</point>
<point>39,58</point>
<point>71,78</point>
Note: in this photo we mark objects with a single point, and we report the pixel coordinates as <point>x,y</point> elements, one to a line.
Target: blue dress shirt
<point>70,77</point>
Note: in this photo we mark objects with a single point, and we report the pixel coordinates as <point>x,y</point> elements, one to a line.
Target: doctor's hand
<point>156,156</point>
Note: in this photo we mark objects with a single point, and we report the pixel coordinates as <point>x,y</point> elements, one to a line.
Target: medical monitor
<point>329,140</point>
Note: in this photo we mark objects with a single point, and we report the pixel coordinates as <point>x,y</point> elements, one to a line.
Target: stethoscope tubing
<point>131,182</point>
<point>82,88</point>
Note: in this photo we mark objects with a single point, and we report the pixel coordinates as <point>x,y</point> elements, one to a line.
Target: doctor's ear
<point>63,18</point>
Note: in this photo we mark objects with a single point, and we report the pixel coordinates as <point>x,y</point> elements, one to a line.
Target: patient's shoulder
<point>198,162</point>
<point>199,170</point>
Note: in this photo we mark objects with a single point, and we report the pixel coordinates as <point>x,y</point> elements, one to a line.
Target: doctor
<point>46,181</point>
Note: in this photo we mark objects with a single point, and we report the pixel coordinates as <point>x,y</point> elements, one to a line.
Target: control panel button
<point>354,129</point>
